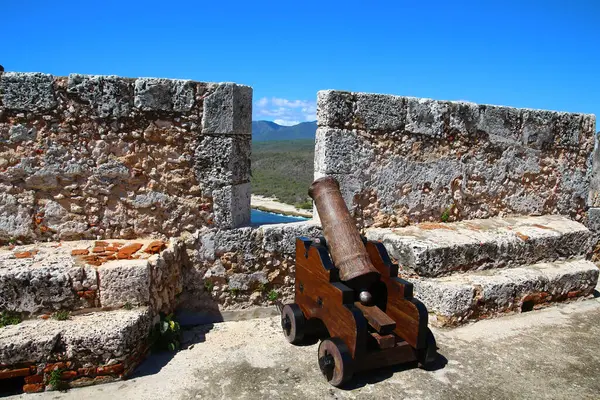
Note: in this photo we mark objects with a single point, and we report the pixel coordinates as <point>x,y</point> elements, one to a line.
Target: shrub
<point>272,295</point>
<point>61,315</point>
<point>9,318</point>
<point>166,334</point>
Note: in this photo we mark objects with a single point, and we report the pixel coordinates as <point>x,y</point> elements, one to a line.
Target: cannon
<point>349,295</point>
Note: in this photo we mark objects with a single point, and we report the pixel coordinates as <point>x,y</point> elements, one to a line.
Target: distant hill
<point>265,131</point>
<point>284,169</point>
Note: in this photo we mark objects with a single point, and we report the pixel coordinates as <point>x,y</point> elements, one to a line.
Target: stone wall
<point>239,268</point>
<point>402,160</point>
<point>107,157</point>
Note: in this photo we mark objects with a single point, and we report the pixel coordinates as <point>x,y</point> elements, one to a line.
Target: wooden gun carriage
<point>348,293</point>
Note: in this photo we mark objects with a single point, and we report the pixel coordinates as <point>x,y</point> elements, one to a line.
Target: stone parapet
<point>83,156</point>
<point>402,160</point>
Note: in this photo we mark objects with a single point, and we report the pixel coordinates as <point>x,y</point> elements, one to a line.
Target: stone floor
<point>547,354</point>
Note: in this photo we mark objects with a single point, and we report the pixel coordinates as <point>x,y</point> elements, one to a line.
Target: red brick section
<point>23,254</point>
<point>111,369</point>
<point>51,367</point>
<point>33,388</point>
<point>14,373</point>
<point>155,247</point>
<point>66,375</point>
<point>100,244</point>
<point>34,379</point>
<point>80,252</point>
<point>126,252</point>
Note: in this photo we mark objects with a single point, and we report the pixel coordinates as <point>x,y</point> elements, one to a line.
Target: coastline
<point>270,204</point>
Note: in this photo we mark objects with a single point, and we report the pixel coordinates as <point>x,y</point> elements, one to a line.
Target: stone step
<point>452,300</point>
<point>87,348</point>
<point>48,277</point>
<point>439,249</point>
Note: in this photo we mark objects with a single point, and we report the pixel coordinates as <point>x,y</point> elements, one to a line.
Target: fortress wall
<point>402,160</point>
<point>110,157</point>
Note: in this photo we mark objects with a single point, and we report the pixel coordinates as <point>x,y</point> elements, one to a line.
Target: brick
<point>86,371</point>
<point>126,252</point>
<point>79,252</point>
<point>33,388</point>
<point>110,369</point>
<point>23,254</point>
<point>34,379</point>
<point>155,247</point>
<point>68,375</point>
<point>98,249</point>
<point>13,373</point>
<point>51,367</point>
<point>101,244</point>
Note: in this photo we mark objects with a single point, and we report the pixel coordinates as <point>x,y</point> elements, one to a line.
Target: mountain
<point>265,131</point>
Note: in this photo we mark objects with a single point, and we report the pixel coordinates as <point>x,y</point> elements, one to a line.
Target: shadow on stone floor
<point>381,374</point>
<point>156,361</point>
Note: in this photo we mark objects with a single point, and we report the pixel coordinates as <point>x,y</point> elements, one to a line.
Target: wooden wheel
<point>335,361</point>
<point>293,323</point>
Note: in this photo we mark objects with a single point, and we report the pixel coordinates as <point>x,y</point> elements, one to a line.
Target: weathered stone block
<point>339,151</point>
<point>124,281</point>
<point>426,116</point>
<point>464,117</point>
<point>43,288</point>
<point>500,123</point>
<point>157,94</point>
<point>109,96</point>
<point>281,238</point>
<point>482,294</point>
<point>538,128</point>
<point>228,110</point>
<point>379,112</point>
<point>27,91</point>
<point>434,249</point>
<point>97,338</point>
<point>15,217</point>
<point>223,160</point>
<point>232,206</point>
<point>334,109</point>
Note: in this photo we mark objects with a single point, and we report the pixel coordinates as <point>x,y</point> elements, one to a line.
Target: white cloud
<point>285,111</point>
<point>285,122</point>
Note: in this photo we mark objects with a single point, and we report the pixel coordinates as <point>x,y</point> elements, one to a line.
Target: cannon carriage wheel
<point>293,323</point>
<point>335,361</point>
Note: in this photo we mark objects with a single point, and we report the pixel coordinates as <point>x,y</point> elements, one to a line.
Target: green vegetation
<point>128,306</point>
<point>208,286</point>
<point>56,382</point>
<point>284,169</point>
<point>234,291</point>
<point>445,215</point>
<point>8,318</point>
<point>272,295</point>
<point>62,315</point>
<point>166,334</point>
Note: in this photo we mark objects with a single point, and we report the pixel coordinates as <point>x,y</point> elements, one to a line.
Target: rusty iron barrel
<point>345,245</point>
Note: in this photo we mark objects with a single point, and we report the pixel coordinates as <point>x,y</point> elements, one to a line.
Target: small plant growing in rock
<point>234,291</point>
<point>166,334</point>
<point>55,381</point>
<point>127,306</point>
<point>272,295</point>
<point>8,318</point>
<point>61,315</point>
<point>445,215</point>
<point>209,286</point>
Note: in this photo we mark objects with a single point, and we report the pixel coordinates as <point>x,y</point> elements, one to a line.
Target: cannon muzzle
<point>345,245</point>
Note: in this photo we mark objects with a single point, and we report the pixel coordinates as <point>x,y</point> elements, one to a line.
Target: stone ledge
<point>380,113</point>
<point>47,277</point>
<point>87,349</point>
<point>96,337</point>
<point>477,295</point>
<point>437,249</point>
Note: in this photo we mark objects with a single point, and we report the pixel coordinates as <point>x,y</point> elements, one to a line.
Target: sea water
<point>265,218</point>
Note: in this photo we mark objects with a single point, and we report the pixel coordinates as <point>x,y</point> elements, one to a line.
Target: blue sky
<point>536,54</point>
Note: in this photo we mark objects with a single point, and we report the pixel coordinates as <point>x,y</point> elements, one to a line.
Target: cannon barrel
<point>345,245</point>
